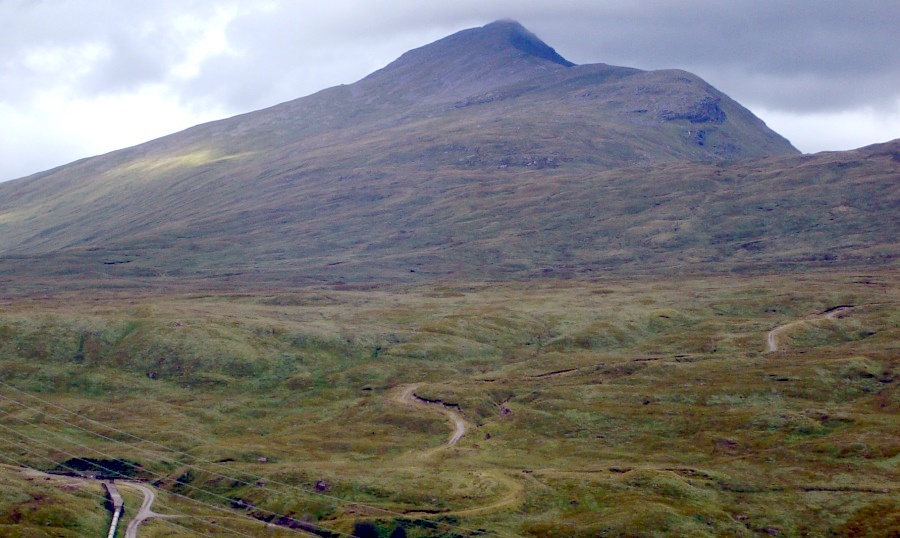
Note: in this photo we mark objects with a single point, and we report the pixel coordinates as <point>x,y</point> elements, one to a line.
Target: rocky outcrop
<point>706,110</point>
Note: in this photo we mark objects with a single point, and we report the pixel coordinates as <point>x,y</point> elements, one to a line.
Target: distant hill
<point>482,155</point>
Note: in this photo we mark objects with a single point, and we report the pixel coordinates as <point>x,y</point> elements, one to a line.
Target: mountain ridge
<point>387,176</point>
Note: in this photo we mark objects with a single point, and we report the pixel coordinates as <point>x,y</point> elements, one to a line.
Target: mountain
<point>483,155</point>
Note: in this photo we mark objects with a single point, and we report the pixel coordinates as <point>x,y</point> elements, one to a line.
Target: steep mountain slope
<point>483,154</point>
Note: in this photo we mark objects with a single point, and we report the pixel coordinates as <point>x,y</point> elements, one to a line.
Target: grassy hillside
<point>638,407</point>
<point>403,224</point>
<point>34,505</point>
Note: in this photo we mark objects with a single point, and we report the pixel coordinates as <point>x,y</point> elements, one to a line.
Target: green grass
<point>33,505</point>
<point>633,407</point>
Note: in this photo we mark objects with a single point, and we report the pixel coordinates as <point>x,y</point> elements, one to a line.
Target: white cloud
<point>57,129</point>
<point>207,39</point>
<point>832,131</point>
<point>70,61</point>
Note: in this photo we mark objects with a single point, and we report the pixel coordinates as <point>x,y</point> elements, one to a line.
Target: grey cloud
<point>833,54</point>
<point>813,55</point>
<point>804,55</point>
<point>138,38</point>
<point>292,52</point>
<point>128,63</point>
<point>801,55</point>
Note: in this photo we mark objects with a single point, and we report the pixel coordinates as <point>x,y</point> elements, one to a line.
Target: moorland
<point>593,407</point>
<point>482,291</point>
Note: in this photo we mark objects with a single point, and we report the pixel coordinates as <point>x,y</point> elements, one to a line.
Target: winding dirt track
<point>144,513</point>
<point>408,396</point>
<point>831,313</point>
<point>405,394</point>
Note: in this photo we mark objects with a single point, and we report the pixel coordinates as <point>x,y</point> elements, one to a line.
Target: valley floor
<point>700,406</point>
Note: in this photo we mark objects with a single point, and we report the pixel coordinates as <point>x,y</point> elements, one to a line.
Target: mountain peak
<point>466,63</point>
<point>523,40</point>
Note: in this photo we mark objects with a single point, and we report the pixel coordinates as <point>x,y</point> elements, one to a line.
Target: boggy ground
<point>645,407</point>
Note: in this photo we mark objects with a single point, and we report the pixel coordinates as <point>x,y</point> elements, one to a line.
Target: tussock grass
<point>35,505</point>
<point>642,407</point>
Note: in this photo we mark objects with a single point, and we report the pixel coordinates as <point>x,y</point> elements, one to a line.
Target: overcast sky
<point>84,77</point>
